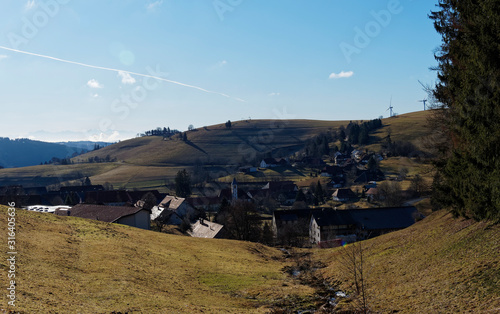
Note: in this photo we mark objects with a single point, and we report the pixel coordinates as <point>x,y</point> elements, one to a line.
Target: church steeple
<point>234,190</point>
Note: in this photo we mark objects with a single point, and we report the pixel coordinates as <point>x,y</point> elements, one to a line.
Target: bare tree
<point>354,264</point>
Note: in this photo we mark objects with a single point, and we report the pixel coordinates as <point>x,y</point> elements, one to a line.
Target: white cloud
<point>153,5</point>
<point>93,83</point>
<point>95,95</point>
<point>218,65</point>
<point>103,137</point>
<point>3,57</point>
<point>30,5</point>
<point>341,75</point>
<point>274,94</point>
<point>126,77</point>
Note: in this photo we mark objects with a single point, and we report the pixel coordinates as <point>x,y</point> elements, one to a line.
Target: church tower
<point>234,190</point>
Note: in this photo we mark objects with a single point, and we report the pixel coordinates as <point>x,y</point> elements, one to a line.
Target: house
<point>372,194</point>
<point>329,227</point>
<point>343,195</point>
<point>369,175</point>
<point>273,162</point>
<point>130,216</point>
<point>247,169</point>
<point>173,210</point>
<point>332,227</point>
<point>340,159</point>
<point>332,171</point>
<point>284,192</point>
<point>290,226</point>
<point>118,197</point>
<point>203,228</point>
<point>372,222</point>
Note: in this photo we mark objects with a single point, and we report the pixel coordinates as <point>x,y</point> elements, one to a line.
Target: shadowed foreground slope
<point>439,265</point>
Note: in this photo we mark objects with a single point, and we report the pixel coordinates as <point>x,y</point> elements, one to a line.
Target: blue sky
<point>218,60</point>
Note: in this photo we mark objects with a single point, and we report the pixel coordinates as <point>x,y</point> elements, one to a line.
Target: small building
<point>130,216</point>
<point>373,222</point>
<point>273,162</point>
<point>331,227</point>
<point>343,195</point>
<point>203,228</point>
<point>372,194</point>
<point>290,226</point>
<point>173,210</point>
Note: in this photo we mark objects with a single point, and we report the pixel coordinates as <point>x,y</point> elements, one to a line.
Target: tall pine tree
<point>468,96</point>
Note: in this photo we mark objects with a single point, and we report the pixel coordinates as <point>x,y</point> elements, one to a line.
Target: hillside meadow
<point>82,266</point>
<point>439,265</point>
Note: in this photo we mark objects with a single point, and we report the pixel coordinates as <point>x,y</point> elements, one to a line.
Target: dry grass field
<point>438,265</point>
<point>73,265</point>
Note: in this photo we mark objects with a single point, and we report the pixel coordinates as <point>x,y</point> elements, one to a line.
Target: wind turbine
<point>423,100</point>
<point>390,107</point>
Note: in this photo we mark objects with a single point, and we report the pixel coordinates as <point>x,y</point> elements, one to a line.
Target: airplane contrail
<point>117,70</point>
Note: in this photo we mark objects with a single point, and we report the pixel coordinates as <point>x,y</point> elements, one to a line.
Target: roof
<point>344,193</point>
<point>205,229</point>
<point>117,196</point>
<point>279,186</point>
<point>384,217</point>
<point>83,188</point>
<point>330,217</point>
<point>102,213</point>
<point>291,214</point>
<point>172,202</point>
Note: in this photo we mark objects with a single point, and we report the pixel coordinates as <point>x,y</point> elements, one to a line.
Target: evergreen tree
<point>87,182</point>
<point>319,193</point>
<point>182,184</point>
<point>468,95</point>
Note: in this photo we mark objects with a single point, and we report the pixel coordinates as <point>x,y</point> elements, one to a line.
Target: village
<point>327,213</point>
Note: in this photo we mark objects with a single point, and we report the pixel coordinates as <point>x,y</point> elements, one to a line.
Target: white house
<point>172,210</point>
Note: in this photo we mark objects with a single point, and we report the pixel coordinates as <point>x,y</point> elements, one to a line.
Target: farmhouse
<point>289,226</point>
<point>206,229</point>
<point>330,227</point>
<point>173,210</point>
<point>273,162</point>
<point>373,222</point>
<point>343,195</point>
<point>130,216</point>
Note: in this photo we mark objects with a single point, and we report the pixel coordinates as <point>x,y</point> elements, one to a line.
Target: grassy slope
<point>82,266</point>
<point>440,264</point>
<point>146,162</point>
<point>406,127</point>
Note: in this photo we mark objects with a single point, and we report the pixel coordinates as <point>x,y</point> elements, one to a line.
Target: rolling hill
<point>147,162</point>
<point>25,152</point>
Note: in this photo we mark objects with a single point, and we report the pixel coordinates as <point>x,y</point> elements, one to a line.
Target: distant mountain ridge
<point>26,152</point>
<point>87,145</point>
